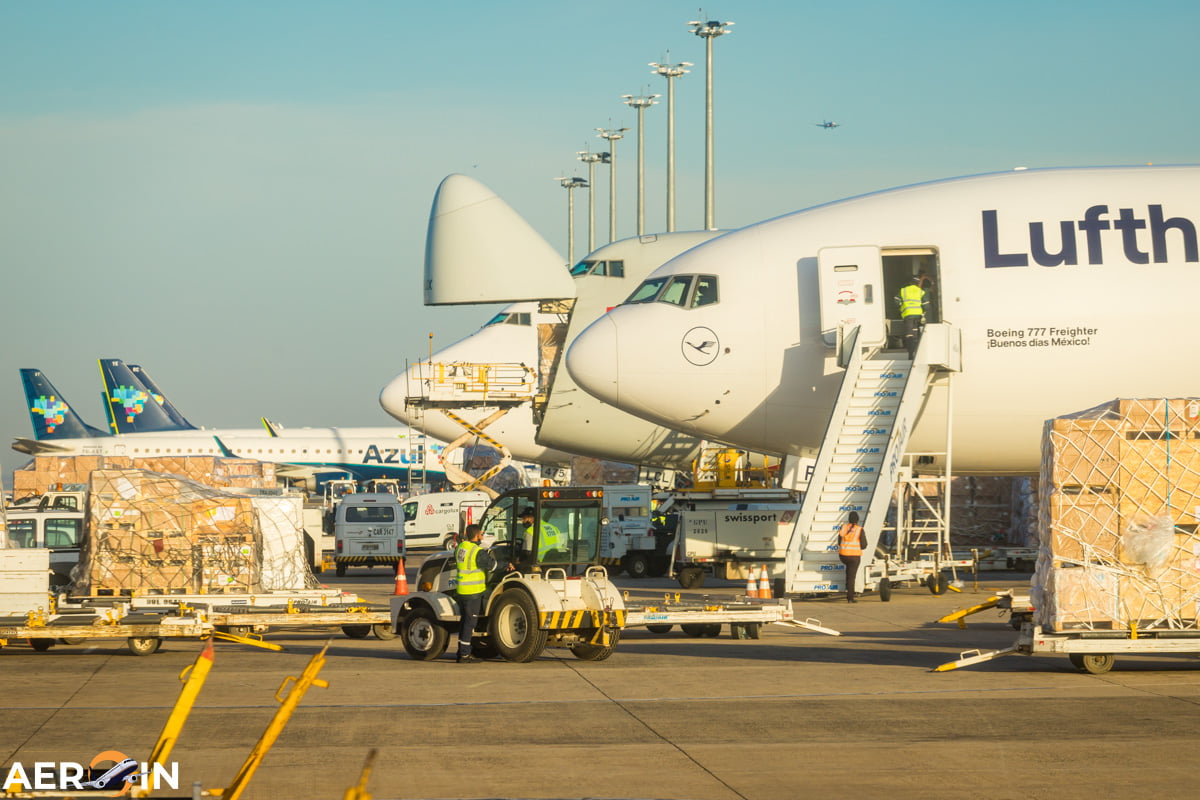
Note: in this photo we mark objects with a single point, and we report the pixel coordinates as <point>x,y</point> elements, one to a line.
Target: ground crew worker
<point>852,540</point>
<point>551,538</point>
<point>912,299</point>
<point>473,564</point>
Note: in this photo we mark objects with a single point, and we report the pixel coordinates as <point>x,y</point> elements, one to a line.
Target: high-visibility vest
<point>850,540</point>
<point>470,578</point>
<point>551,538</point>
<point>911,300</point>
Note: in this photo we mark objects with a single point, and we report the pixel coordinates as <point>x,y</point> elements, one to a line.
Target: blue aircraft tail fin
<point>158,395</point>
<point>134,409</point>
<point>52,418</point>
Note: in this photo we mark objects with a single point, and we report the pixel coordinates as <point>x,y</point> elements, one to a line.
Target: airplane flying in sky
<point>827,125</point>
<point>1051,291</point>
<point>305,453</point>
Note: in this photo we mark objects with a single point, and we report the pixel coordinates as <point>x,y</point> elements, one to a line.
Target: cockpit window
<point>647,291</point>
<point>613,269</point>
<point>706,291</point>
<point>510,319</point>
<point>676,292</point>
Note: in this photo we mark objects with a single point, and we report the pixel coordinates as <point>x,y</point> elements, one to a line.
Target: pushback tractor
<point>548,589</point>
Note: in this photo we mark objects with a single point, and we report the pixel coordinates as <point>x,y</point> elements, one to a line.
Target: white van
<point>368,530</point>
<point>436,520</point>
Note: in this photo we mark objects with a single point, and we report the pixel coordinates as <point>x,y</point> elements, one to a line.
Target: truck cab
<point>368,529</point>
<point>436,520</point>
<point>59,530</point>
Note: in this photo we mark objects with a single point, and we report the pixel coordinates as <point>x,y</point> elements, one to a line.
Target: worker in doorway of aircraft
<point>473,564</point>
<point>913,300</point>
<point>852,540</point>
<point>550,538</point>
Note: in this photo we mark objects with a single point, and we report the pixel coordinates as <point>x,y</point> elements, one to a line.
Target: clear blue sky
<point>235,195</point>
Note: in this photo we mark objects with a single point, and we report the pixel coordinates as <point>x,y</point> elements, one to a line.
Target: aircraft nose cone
<point>592,360</point>
<point>393,395</point>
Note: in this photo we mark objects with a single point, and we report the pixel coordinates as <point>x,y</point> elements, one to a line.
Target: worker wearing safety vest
<point>852,540</point>
<point>473,564</point>
<point>550,537</point>
<point>912,301</point>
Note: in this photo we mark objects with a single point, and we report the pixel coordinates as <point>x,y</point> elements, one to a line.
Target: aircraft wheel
<point>514,627</point>
<point>424,637</point>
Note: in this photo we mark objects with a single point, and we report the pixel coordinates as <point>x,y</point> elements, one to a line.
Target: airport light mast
<point>641,103</point>
<point>671,72</point>
<point>591,159</point>
<point>709,30</point>
<point>613,135</point>
<point>571,184</point>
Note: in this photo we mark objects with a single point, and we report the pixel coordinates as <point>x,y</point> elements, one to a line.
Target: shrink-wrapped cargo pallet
<point>1118,505</point>
<point>153,533</point>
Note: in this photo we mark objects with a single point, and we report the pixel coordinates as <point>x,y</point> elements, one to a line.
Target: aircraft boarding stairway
<point>862,452</point>
<point>455,386</point>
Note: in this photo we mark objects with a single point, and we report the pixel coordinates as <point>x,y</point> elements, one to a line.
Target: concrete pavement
<point>790,715</point>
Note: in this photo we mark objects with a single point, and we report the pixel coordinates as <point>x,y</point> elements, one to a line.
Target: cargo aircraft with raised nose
<point>516,357</point>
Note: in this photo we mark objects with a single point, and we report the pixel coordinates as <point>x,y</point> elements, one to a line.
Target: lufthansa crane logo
<point>700,346</point>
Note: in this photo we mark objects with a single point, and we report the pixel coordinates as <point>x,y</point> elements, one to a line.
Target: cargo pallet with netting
<point>1119,565</point>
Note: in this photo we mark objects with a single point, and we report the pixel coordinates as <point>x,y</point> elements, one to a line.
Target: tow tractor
<point>537,598</point>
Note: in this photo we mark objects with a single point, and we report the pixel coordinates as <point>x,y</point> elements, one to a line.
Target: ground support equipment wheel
<point>424,637</point>
<point>383,631</point>
<point>585,651</point>
<point>356,631</point>
<point>514,627</point>
<point>143,645</point>
<point>885,590</point>
<point>41,645</point>
<point>340,569</point>
<point>691,577</point>
<point>1093,663</point>
<point>659,628</point>
<point>637,565</point>
<point>938,583</point>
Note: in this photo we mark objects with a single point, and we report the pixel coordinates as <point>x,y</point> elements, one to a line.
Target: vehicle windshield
<point>22,533</point>
<point>569,532</point>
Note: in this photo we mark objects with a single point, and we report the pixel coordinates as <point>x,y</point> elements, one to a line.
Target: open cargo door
<point>479,250</point>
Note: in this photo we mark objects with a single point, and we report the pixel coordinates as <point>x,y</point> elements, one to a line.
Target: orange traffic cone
<point>764,584</point>
<point>401,579</point>
<point>751,585</point>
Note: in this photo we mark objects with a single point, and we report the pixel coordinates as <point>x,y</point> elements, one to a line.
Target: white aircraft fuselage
<point>1069,287</point>
<point>367,452</point>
